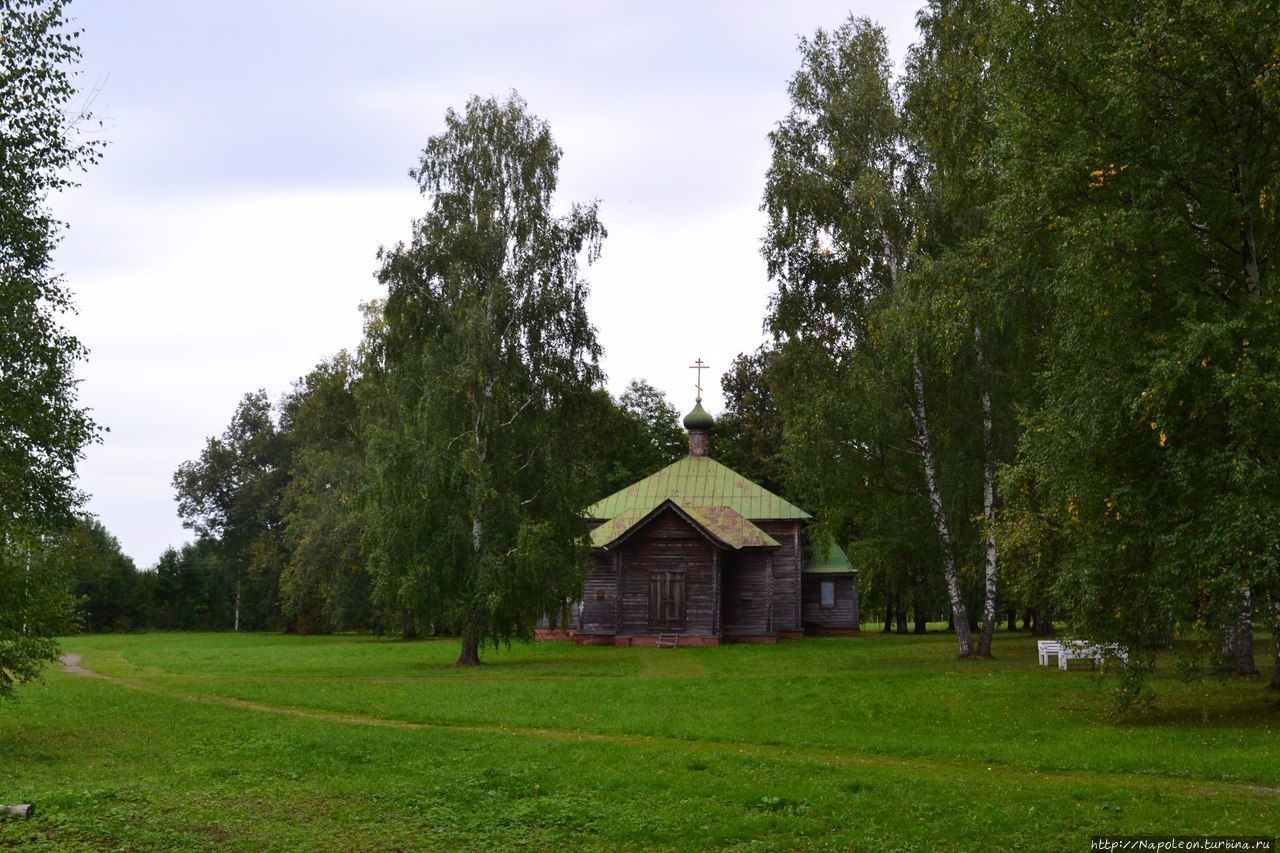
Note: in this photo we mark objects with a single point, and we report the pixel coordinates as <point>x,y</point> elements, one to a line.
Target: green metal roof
<point>699,418</point>
<point>722,524</point>
<point>697,481</point>
<point>612,529</point>
<point>833,561</point>
<point>730,527</point>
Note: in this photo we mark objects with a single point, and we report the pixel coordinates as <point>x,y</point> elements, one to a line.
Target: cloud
<point>258,159</point>
<point>187,305</point>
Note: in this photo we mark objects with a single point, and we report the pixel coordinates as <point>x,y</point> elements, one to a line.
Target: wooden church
<point>697,554</point>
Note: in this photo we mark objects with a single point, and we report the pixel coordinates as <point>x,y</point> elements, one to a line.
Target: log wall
<point>747,593</point>
<point>599,595</point>
<point>788,561</point>
<point>844,615</point>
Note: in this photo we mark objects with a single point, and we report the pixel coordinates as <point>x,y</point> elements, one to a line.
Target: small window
<point>599,595</point>
<point>828,593</point>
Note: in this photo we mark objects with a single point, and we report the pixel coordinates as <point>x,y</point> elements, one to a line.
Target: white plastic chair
<point>1048,649</point>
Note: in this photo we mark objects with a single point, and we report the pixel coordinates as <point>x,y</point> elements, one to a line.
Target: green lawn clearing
<point>282,742</point>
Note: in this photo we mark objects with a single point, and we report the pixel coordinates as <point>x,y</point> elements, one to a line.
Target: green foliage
<point>857,317</point>
<point>631,437</point>
<point>834,189</point>
<point>36,605</point>
<point>326,585</point>
<point>556,746</point>
<point>193,588</point>
<point>847,445</point>
<point>232,493</point>
<point>1139,173</point>
<point>660,437</point>
<point>111,594</point>
<point>278,505</point>
<point>43,430</point>
<point>478,473</point>
<point>749,434</point>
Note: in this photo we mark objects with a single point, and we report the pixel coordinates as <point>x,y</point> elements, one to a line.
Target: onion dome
<point>699,418</point>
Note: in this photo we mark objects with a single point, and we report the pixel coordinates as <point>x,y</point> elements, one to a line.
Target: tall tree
<point>232,493</point>
<point>632,436</point>
<point>43,430</point>
<point>1137,145</point>
<point>193,588</point>
<point>661,438</point>
<point>478,480</point>
<point>973,306</point>
<point>842,200</point>
<point>325,584</point>
<point>36,606</point>
<point>111,594</point>
<point>749,435</point>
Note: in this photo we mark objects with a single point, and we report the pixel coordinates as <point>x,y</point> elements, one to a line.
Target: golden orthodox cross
<point>698,366</point>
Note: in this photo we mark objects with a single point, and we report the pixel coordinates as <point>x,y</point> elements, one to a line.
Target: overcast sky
<point>258,157</point>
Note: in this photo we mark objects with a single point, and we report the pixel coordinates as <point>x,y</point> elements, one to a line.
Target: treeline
<point>303,570</point>
<point>186,590</point>
<point>279,503</point>
<point>433,480</point>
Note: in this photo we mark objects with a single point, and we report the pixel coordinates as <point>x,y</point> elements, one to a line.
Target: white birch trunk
<point>1275,639</point>
<point>469,653</point>
<point>988,505</point>
<point>1237,634</point>
<point>919,416</point>
<point>1243,661</point>
<point>26,590</point>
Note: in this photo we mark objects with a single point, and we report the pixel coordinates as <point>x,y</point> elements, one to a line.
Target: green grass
<point>281,742</point>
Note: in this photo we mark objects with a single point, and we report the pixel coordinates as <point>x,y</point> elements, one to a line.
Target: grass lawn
<point>886,742</point>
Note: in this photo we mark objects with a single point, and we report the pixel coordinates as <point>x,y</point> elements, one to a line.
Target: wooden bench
<point>668,641</point>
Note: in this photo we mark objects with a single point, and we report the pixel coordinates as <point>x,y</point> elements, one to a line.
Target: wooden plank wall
<point>746,593</point>
<point>667,542</point>
<point>788,561</point>
<point>599,614</point>
<point>844,615</point>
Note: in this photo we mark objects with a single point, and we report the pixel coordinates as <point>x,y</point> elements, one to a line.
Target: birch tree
<point>325,584</point>
<point>43,429</point>
<point>480,474</point>
<point>842,199</point>
<point>972,304</point>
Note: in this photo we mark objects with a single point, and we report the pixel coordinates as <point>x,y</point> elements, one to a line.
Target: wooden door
<point>666,600</point>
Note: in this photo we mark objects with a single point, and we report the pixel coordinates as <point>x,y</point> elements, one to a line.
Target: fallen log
<point>19,810</point>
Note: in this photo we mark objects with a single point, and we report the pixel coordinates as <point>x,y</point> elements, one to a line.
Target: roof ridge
<point>698,481</point>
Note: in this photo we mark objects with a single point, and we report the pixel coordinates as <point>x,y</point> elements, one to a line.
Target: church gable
<point>721,525</point>
<point>669,577</point>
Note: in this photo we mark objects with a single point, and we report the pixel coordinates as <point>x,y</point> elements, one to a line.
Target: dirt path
<point>71,663</point>
<point>798,754</point>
